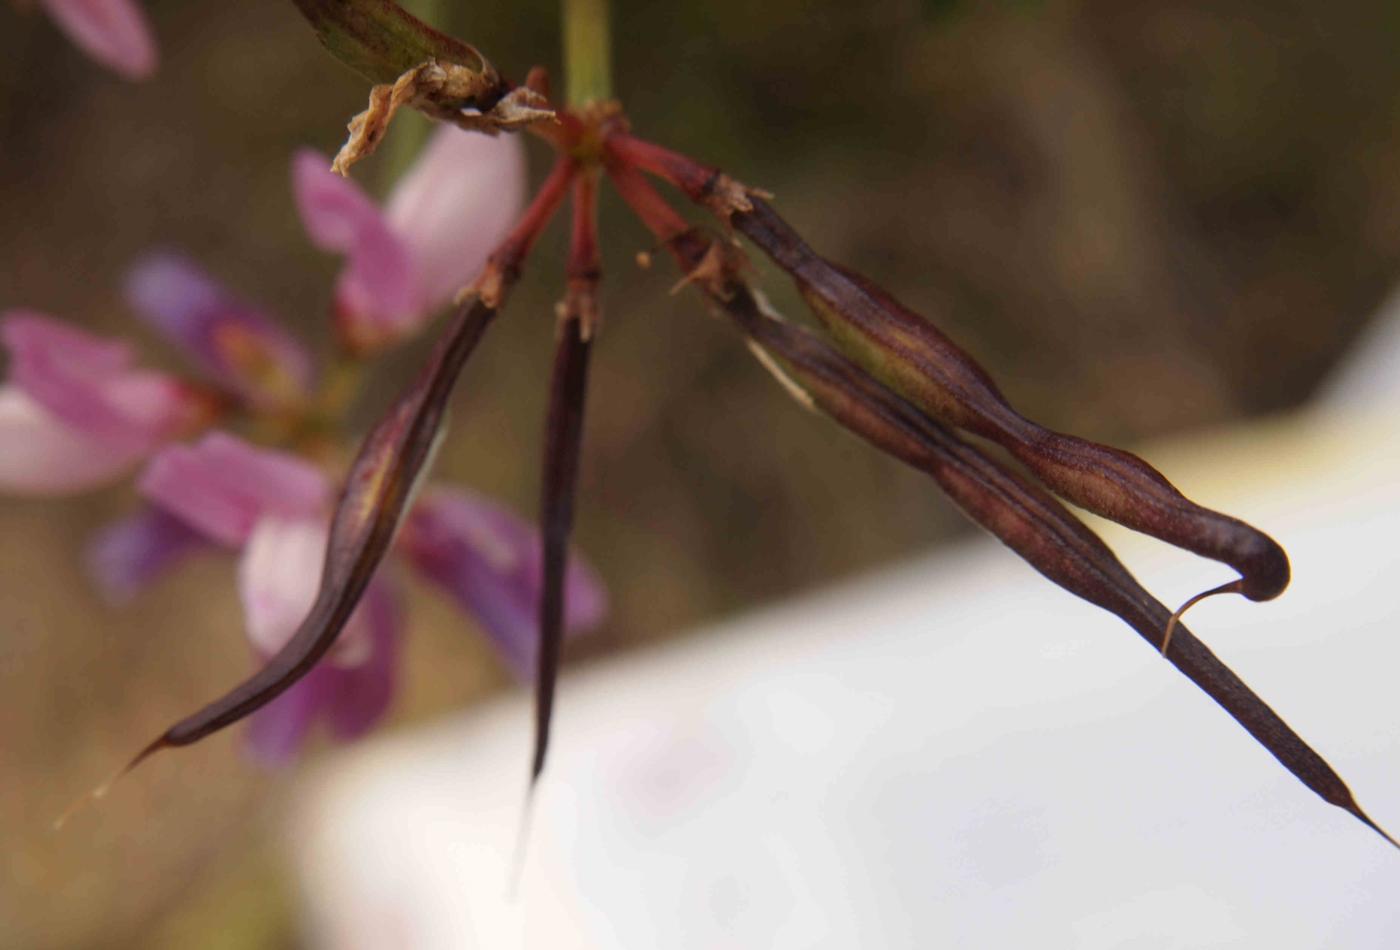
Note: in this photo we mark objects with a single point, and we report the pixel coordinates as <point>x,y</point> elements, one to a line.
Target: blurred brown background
<point>1141,216</point>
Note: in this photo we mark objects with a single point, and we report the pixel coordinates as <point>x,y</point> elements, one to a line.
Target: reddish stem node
<point>694,178</point>
<point>510,254</point>
<point>646,203</point>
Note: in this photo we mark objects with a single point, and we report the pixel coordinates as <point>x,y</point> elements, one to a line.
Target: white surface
<point>953,753</point>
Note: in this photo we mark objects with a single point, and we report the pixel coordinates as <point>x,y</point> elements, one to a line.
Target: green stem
<point>587,51</point>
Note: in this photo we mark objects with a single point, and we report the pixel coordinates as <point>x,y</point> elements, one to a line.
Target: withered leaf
<point>381,41</point>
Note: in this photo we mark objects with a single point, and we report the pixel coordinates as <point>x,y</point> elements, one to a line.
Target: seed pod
<point>568,389</point>
<point>1026,519</point>
<point>908,354</point>
<point>381,483</point>
<point>377,493</point>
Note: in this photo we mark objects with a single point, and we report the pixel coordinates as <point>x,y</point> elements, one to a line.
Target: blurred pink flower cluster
<point>77,412</point>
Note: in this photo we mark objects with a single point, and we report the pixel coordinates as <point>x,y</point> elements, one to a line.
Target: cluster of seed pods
<point>1024,516</point>
<point>880,370</point>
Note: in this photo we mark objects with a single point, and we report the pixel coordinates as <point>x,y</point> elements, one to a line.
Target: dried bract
<point>441,91</point>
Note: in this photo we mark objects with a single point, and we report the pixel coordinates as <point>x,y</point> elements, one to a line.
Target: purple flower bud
<point>232,343</point>
<point>128,554</point>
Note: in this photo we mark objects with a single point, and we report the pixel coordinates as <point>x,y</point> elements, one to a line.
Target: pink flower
<point>44,456</point>
<point>431,239</point>
<point>274,509</point>
<point>221,487</point>
<point>113,32</point>
<point>75,412</point>
<point>488,560</point>
<point>351,688</point>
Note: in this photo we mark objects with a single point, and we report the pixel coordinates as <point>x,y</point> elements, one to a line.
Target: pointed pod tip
<point>522,839</point>
<point>151,749</point>
<point>99,792</point>
<point>1365,819</point>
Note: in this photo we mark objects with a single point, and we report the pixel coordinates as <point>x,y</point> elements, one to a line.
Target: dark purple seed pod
<point>1025,518</point>
<point>377,493</point>
<point>568,389</point>
<point>911,356</point>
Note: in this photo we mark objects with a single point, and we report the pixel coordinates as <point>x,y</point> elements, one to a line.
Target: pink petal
<point>364,692</point>
<point>222,486</point>
<point>231,342</point>
<point>113,32</point>
<point>377,294</point>
<point>277,731</point>
<point>278,576</point>
<point>128,554</point>
<point>28,331</point>
<point>354,685</point>
<point>86,381</point>
<point>488,560</point>
<point>41,455</point>
<point>457,201</point>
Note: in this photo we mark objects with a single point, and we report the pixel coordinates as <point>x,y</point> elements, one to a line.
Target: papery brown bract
<point>414,65</point>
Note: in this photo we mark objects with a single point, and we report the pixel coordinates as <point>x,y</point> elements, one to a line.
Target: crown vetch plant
<point>879,369</point>
<point>76,413</point>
